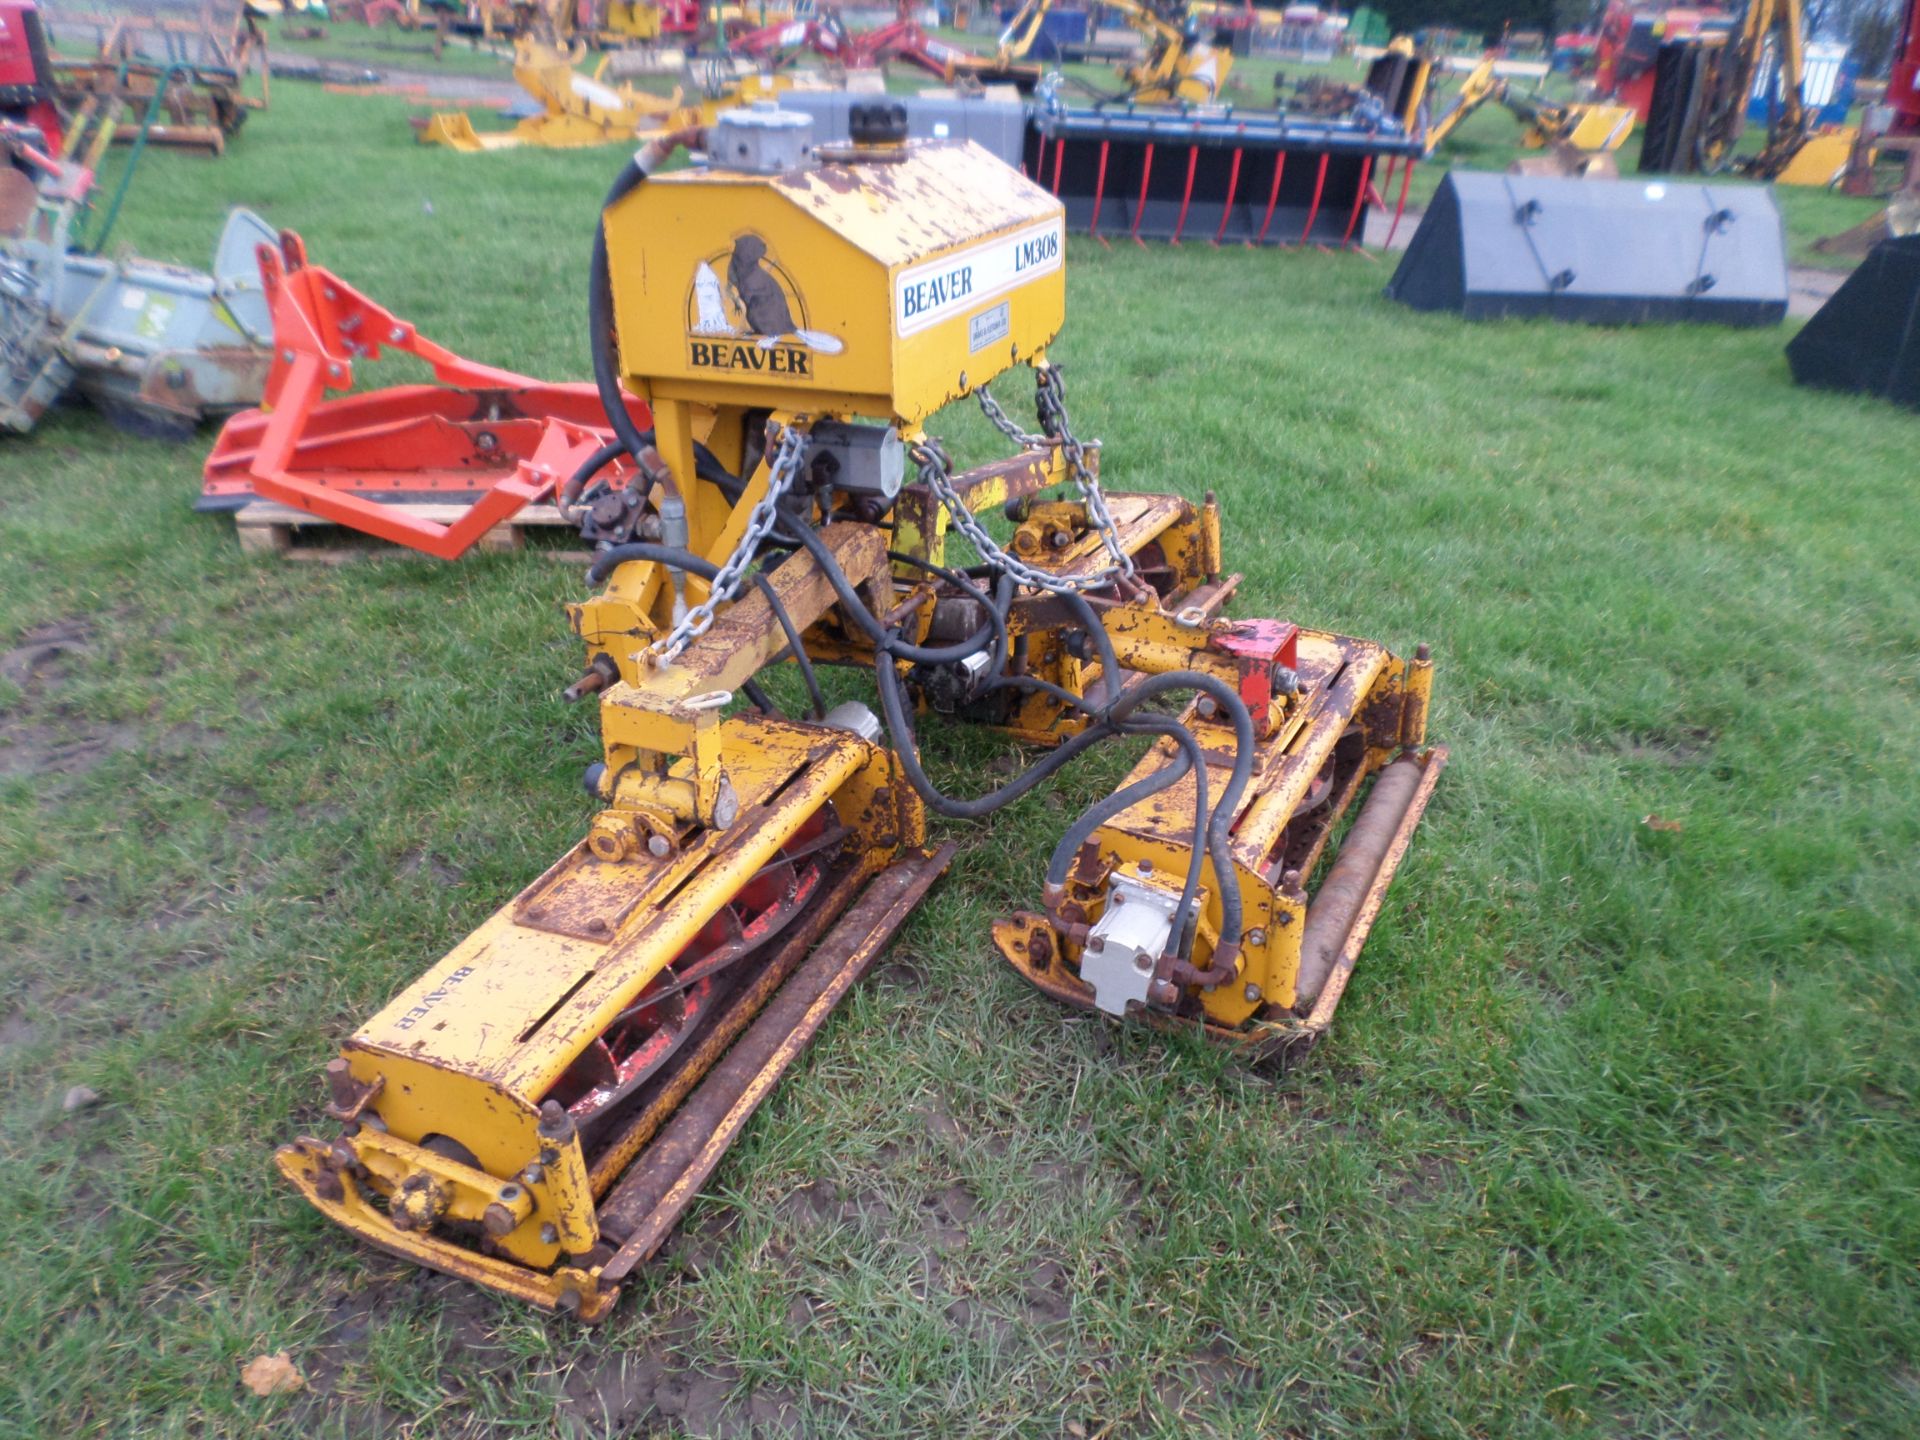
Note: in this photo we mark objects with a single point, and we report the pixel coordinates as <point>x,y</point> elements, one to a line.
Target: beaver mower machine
<point>538,1109</point>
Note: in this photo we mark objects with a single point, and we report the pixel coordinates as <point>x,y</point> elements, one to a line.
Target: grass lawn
<point>1616,1135</point>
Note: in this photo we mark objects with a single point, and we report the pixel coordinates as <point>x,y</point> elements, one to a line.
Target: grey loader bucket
<point>1606,252</point>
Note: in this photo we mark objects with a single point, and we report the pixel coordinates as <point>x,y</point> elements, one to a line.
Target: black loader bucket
<point>1863,338</point>
<point>1256,179</point>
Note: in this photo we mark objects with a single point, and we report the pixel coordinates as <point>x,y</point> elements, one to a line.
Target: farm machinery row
<point>773,333</point>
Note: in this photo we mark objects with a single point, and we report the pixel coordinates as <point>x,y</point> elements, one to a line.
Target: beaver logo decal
<point>754,321</point>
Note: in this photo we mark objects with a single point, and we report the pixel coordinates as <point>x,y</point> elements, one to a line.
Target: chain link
<point>936,473</point>
<point>1003,422</point>
<point>782,470</point>
<point>1051,402</point>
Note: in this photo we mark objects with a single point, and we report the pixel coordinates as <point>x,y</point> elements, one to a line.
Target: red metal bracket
<point>1258,648</point>
<point>505,435</point>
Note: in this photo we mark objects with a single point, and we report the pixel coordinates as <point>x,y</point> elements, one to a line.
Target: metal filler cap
<point>761,138</point>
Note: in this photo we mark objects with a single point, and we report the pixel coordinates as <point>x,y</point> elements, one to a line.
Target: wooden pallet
<point>265,528</point>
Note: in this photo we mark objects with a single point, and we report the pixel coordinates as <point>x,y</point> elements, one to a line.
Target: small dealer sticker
<point>988,326</point>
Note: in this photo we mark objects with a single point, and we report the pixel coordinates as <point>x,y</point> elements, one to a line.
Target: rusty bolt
<point>1097,942</point>
<point>1423,651</point>
<point>555,1124</point>
<point>568,1302</point>
<point>549,1235</point>
<point>1164,993</point>
<point>1040,949</point>
<point>1146,867</point>
<point>328,1186</point>
<point>499,1220</point>
<point>340,1084</point>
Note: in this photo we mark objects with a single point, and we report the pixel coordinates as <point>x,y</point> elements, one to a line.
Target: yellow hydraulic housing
<point>536,1111</point>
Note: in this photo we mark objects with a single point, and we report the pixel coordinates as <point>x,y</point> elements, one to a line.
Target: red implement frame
<point>497,438</point>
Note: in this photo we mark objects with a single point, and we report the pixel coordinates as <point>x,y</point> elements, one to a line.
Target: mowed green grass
<point>1615,1135</point>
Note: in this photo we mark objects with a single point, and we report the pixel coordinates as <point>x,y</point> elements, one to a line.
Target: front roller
<point>536,1113</point>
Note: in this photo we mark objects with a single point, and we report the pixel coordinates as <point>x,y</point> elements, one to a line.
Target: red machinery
<point>1903,80</point>
<point>496,439</point>
<point>828,36</point>
<point>1630,41</point>
<point>26,92</point>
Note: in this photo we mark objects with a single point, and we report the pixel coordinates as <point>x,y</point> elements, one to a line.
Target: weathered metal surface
<point>305,1164</point>
<point>643,1209</point>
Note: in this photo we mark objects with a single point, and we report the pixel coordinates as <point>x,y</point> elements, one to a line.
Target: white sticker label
<point>988,326</point>
<point>926,294</point>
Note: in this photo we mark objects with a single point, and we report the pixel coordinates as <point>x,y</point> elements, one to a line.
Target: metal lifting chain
<point>781,470</point>
<point>936,473</point>
<point>1051,401</point>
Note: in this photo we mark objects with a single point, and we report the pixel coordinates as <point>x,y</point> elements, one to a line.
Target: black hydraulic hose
<point>885,640</point>
<point>1220,823</point>
<point>900,727</point>
<point>1191,758</point>
<point>606,358</point>
<point>607,561</point>
<point>705,464</point>
<point>1217,824</point>
<point>577,482</point>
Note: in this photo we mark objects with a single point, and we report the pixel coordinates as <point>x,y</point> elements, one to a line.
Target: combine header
<point>539,1108</point>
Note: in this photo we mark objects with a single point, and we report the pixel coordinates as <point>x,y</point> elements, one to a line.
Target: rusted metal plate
<point>585,898</point>
<point>918,204</point>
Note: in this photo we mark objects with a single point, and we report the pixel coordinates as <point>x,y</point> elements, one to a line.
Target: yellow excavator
<point>1698,112</point>
<point>1179,64</point>
<point>537,1110</point>
<point>1576,135</point>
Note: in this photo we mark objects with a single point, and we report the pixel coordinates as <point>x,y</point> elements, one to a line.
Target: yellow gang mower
<point>538,1109</point>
